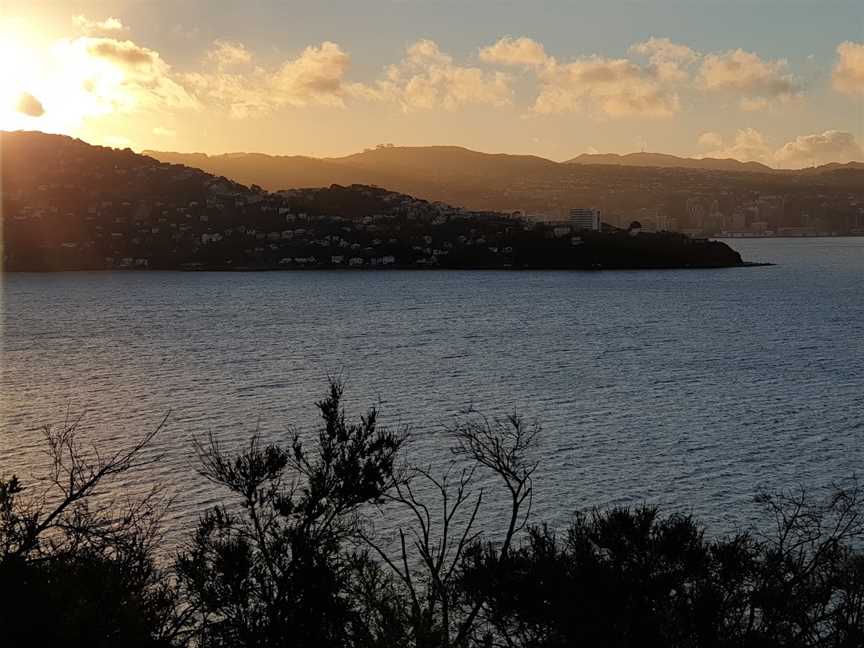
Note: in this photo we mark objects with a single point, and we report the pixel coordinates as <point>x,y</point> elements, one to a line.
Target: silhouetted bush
<point>77,572</point>
<point>634,578</point>
<point>292,558</point>
<point>279,569</point>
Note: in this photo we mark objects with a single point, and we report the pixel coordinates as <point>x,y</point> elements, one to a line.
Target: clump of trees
<point>293,557</point>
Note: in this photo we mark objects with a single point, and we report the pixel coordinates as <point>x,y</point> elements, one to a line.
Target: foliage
<point>276,567</point>
<point>291,557</point>
<point>77,571</point>
<point>632,577</point>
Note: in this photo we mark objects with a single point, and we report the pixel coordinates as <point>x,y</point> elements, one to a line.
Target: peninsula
<point>68,205</point>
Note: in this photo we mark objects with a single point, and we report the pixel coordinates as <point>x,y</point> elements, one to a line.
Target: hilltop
<point>705,196</point>
<point>68,205</point>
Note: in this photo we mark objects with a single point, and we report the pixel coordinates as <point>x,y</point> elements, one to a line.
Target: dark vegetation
<point>292,558</point>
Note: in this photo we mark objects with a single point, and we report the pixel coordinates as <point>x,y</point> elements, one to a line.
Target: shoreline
<point>325,268</point>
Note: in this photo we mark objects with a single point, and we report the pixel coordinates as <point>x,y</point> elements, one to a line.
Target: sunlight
<point>18,79</point>
<point>54,86</point>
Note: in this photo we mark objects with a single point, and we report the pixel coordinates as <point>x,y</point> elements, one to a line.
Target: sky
<point>776,81</point>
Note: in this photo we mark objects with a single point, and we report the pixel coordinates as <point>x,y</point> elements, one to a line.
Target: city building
<point>585,219</point>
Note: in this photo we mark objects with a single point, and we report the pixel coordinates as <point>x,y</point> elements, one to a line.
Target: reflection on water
<point>683,388</point>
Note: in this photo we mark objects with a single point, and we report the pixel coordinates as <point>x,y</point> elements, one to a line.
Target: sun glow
<point>19,80</point>
<point>55,86</point>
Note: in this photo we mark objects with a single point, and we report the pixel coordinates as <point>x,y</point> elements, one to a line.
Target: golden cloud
<point>515,51</point>
<point>227,54</point>
<point>848,74</point>
<point>611,87</point>
<point>89,27</point>
<point>819,148</point>
<point>749,145</point>
<point>315,77</point>
<point>756,81</point>
<point>668,60</point>
<point>428,78</point>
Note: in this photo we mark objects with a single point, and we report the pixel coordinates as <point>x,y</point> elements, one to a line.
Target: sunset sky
<point>778,81</point>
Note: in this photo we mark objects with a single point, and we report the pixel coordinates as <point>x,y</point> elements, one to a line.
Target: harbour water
<point>687,389</point>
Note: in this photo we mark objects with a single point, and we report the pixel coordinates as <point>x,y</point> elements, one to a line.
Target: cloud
<point>103,75</point>
<point>315,78</point>
<point>89,27</point>
<point>124,53</point>
<point>749,145</point>
<point>317,75</point>
<point>29,105</point>
<point>668,60</point>
<point>611,87</point>
<point>711,140</point>
<point>226,54</point>
<point>515,51</point>
<point>606,87</point>
<point>848,73</point>
<point>819,148</point>
<point>428,78</point>
<point>757,82</point>
<point>164,132</point>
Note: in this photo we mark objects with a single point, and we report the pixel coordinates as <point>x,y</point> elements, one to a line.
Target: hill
<point>664,192</point>
<point>71,206</point>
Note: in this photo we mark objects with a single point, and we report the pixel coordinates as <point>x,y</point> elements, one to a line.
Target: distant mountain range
<point>439,163</point>
<point>638,184</point>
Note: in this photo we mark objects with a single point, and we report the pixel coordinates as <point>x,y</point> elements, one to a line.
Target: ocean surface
<point>687,389</point>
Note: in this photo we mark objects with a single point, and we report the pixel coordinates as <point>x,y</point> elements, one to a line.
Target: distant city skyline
<point>772,81</point>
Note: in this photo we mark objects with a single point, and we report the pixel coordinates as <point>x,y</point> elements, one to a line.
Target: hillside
<point>71,206</point>
<point>666,192</point>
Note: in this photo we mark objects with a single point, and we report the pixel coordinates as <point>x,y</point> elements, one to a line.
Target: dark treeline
<point>292,557</point>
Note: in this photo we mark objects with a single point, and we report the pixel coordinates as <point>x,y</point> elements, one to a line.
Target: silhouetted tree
<point>633,578</point>
<point>442,510</point>
<point>76,570</point>
<point>275,570</point>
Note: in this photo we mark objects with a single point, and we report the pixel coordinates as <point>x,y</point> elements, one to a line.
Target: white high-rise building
<point>585,219</point>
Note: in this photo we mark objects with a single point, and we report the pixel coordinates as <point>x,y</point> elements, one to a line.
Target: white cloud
<point>848,74</point>
<point>515,51</point>
<point>164,132</point>
<point>756,82</point>
<point>428,78</point>
<point>89,27</point>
